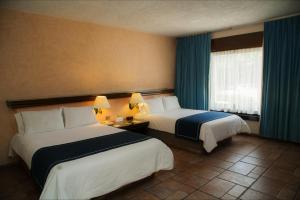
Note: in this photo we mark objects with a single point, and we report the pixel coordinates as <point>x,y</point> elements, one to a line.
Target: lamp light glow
<point>135,100</point>
<point>100,103</point>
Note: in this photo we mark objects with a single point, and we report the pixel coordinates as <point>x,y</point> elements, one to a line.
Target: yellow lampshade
<point>101,102</point>
<point>136,98</point>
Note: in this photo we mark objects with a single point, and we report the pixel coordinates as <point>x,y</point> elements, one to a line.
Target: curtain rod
<point>241,26</point>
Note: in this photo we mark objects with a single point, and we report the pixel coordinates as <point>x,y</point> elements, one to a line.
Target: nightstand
<point>135,125</point>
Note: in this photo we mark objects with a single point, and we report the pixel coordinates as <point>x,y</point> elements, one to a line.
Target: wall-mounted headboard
<point>14,104</point>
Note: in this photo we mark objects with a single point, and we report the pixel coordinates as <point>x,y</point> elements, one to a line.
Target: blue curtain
<point>192,68</point>
<point>280,116</point>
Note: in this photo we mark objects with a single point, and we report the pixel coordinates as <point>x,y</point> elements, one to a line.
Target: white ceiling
<point>166,17</point>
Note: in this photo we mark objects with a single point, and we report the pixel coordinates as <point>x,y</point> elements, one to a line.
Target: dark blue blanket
<point>47,157</point>
<point>189,127</point>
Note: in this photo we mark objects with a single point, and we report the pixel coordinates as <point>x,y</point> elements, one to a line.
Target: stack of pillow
<point>162,104</point>
<point>30,122</point>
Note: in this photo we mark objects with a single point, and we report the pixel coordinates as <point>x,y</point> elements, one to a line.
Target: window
<point>236,80</point>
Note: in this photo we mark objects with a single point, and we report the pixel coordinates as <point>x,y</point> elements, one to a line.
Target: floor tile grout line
<point>240,160</point>
<point>227,169</point>
<point>249,187</point>
<point>205,192</point>
<point>261,175</point>
<point>212,180</point>
<point>231,181</point>
<point>227,180</point>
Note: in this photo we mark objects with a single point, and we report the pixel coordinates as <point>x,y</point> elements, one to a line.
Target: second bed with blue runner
<point>189,127</point>
<point>47,157</point>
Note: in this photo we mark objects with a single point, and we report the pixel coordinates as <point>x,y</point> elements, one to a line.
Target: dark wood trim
<point>13,104</point>
<point>250,117</point>
<point>138,127</point>
<point>244,41</point>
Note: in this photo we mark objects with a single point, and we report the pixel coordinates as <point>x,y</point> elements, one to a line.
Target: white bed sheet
<point>97,174</point>
<point>210,133</point>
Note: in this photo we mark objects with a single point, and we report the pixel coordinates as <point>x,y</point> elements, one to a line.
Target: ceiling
<point>165,17</point>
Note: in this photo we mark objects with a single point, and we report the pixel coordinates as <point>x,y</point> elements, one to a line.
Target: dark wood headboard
<point>14,104</point>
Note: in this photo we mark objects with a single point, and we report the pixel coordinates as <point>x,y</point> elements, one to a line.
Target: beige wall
<point>47,57</point>
<point>254,126</point>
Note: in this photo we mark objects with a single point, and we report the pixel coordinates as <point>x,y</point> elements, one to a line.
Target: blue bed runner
<point>189,127</point>
<point>47,157</point>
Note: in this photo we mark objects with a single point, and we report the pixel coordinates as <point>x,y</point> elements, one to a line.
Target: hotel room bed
<point>96,174</point>
<point>211,132</point>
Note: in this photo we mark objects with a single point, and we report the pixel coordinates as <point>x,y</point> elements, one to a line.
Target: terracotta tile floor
<point>245,168</point>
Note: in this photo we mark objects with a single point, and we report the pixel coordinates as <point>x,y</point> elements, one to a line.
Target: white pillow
<point>42,121</point>
<point>20,124</point>
<point>171,103</point>
<point>79,116</point>
<point>155,105</point>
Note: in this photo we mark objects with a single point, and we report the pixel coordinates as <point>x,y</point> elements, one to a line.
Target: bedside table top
<point>130,123</point>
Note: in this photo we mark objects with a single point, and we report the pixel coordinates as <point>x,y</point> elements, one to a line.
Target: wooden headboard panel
<point>15,104</point>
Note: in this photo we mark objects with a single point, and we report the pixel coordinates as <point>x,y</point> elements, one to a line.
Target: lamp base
<point>129,118</point>
<point>131,106</point>
<point>98,110</point>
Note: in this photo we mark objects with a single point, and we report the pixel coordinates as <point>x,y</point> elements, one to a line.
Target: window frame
<point>245,116</point>
<point>243,41</point>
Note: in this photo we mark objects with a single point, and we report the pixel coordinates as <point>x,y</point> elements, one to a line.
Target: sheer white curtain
<point>236,80</point>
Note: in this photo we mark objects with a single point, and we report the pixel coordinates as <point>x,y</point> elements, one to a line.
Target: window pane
<point>236,80</point>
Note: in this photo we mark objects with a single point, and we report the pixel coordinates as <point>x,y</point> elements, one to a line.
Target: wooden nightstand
<point>135,125</point>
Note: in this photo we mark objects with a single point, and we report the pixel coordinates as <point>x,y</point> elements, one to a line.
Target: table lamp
<point>135,100</point>
<point>100,103</point>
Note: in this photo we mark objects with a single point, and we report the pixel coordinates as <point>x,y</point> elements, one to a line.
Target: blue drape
<point>192,71</point>
<point>280,116</point>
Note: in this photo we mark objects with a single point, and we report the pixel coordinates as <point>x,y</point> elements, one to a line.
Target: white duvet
<point>210,133</point>
<point>97,174</point>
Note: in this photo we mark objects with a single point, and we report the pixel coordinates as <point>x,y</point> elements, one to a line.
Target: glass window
<point>236,80</point>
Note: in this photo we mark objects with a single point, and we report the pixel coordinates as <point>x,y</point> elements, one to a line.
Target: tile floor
<point>246,168</point>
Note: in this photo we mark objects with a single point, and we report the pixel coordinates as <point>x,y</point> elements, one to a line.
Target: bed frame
<point>26,103</point>
<point>182,143</point>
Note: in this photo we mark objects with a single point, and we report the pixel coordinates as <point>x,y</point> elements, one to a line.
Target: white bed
<point>97,174</point>
<point>210,133</point>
